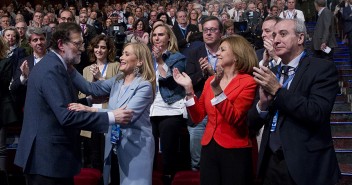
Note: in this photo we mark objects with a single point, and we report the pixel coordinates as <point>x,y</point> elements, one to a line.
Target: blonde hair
<point>172,47</point>
<point>143,53</point>
<point>4,48</point>
<point>246,57</point>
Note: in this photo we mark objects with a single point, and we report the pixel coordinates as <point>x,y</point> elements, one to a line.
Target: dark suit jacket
<point>259,53</point>
<point>181,39</point>
<point>324,31</point>
<point>49,144</point>
<point>18,89</point>
<point>17,55</point>
<point>193,68</point>
<point>7,109</point>
<point>347,19</point>
<point>304,124</point>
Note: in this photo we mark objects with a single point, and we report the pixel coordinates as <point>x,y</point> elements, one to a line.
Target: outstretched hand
<point>182,79</point>
<point>79,107</point>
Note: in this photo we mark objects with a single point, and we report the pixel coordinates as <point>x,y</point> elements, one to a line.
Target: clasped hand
<point>122,115</point>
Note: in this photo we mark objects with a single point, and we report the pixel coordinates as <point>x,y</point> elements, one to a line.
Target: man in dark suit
<point>294,106</point>
<point>183,30</point>
<point>324,32</point>
<point>18,87</point>
<point>347,17</point>
<point>267,56</point>
<point>49,147</point>
<point>89,33</point>
<point>201,62</point>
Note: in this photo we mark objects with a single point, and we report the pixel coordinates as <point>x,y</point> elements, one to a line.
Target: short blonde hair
<point>242,49</point>
<point>172,47</point>
<point>144,54</point>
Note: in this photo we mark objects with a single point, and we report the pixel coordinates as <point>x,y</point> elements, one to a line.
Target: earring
<point>136,71</point>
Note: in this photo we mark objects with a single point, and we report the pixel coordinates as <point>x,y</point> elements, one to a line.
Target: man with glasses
<point>201,63</point>
<point>48,149</point>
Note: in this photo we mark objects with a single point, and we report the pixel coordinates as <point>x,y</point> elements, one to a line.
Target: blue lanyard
<point>102,73</point>
<point>284,85</point>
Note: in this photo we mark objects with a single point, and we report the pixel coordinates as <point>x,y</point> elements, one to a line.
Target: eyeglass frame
<point>211,30</point>
<point>77,45</point>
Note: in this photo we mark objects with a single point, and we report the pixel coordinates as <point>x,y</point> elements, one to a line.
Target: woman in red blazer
<point>226,98</point>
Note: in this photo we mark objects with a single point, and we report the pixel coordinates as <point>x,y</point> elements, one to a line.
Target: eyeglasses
<point>78,45</point>
<point>211,30</point>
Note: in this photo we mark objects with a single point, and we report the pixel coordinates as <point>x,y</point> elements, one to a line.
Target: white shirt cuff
<point>261,113</point>
<point>261,63</point>
<point>111,118</point>
<point>218,99</point>
<point>23,79</point>
<point>190,102</point>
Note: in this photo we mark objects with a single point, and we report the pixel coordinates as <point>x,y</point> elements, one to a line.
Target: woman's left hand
<point>94,69</point>
<point>217,77</point>
<point>79,107</point>
<point>215,83</point>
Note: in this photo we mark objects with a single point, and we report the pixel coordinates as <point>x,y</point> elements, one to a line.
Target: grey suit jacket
<point>135,150</point>
<point>324,31</point>
<point>49,144</point>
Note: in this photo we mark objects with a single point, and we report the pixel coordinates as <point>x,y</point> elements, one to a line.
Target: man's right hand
<point>205,66</point>
<point>122,116</point>
<point>25,69</point>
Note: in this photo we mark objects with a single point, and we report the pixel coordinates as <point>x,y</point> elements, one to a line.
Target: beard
<point>72,60</point>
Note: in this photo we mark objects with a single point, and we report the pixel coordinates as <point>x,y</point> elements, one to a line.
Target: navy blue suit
<point>304,124</point>
<point>49,144</point>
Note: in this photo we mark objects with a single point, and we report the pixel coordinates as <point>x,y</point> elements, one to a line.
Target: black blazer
<point>193,68</point>
<point>181,39</point>
<point>7,108</point>
<point>304,124</point>
<point>18,89</point>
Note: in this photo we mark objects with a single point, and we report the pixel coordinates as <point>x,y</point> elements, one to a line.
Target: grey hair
<point>300,27</point>
<point>34,30</point>
<point>320,3</point>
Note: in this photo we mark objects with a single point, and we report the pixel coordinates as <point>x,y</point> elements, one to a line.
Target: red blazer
<point>226,120</point>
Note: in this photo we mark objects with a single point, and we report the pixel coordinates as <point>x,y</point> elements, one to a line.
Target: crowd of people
<point>124,79</point>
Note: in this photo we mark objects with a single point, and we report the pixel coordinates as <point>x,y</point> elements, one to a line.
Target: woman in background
<point>101,52</point>
<point>12,38</point>
<point>193,17</point>
<point>168,111</point>
<point>139,33</point>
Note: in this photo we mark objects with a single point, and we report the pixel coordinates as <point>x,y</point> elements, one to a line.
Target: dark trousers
<point>43,180</point>
<point>277,172</point>
<point>222,166</point>
<point>168,128</point>
<point>349,37</point>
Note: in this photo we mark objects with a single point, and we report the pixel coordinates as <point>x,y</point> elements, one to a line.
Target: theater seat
<point>88,176</point>
<point>186,178</point>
